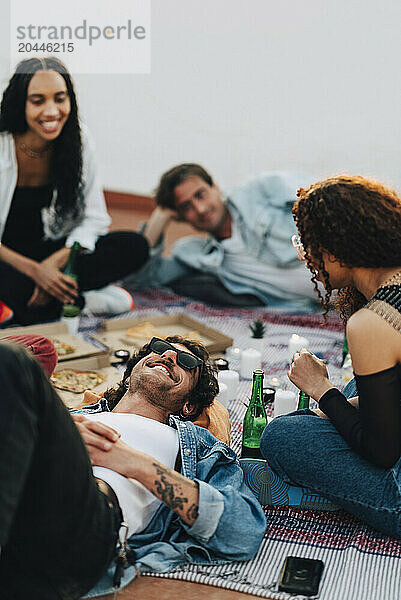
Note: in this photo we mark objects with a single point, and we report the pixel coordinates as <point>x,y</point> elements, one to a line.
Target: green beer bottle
<point>345,349</point>
<point>71,310</point>
<point>255,420</point>
<point>303,400</point>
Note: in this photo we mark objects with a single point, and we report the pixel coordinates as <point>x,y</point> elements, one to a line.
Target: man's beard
<point>155,391</point>
<point>215,231</point>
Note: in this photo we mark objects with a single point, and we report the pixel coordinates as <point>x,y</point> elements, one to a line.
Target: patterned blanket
<point>359,562</point>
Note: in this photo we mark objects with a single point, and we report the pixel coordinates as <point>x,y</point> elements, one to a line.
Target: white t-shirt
<point>138,505</point>
<point>252,271</point>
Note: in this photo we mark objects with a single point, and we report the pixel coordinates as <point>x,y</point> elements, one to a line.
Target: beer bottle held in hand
<point>255,420</point>
<point>345,349</point>
<point>303,400</point>
<point>71,310</point>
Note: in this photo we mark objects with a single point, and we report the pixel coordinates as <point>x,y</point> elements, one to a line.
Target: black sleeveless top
<point>23,230</point>
<point>373,431</point>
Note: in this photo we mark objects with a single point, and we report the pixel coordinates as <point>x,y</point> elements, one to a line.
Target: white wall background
<point>245,86</point>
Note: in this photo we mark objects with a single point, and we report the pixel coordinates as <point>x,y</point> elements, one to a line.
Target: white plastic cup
<point>72,324</point>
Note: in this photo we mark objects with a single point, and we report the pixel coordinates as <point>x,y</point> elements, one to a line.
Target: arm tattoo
<point>161,470</point>
<point>192,512</point>
<point>169,489</point>
<point>167,494</point>
<point>166,489</point>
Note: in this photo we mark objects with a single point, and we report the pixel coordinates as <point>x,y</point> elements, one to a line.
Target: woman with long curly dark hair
<point>49,198</point>
<point>350,238</point>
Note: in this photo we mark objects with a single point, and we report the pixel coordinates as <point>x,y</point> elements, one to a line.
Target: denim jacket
<point>230,524</point>
<point>261,209</point>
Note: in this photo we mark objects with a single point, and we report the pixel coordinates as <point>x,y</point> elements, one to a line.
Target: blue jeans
<point>305,450</point>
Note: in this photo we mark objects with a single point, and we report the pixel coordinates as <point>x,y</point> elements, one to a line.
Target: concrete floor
<point>151,588</point>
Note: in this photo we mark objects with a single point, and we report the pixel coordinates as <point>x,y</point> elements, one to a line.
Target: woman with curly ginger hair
<point>350,238</point>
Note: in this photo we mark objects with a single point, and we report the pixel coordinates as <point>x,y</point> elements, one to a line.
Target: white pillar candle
<point>222,396</point>
<point>250,361</point>
<point>295,343</point>
<point>272,381</point>
<point>285,402</point>
<point>233,355</point>
<point>233,352</point>
<point>231,380</point>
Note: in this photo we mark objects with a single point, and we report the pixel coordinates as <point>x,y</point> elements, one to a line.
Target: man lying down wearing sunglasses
<point>160,492</point>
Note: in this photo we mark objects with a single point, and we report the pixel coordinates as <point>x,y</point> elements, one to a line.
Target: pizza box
<point>58,331</point>
<point>113,332</point>
<point>99,364</point>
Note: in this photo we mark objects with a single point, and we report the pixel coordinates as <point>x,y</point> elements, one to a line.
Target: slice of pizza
<point>193,335</point>
<point>62,348</point>
<point>141,334</point>
<point>75,381</point>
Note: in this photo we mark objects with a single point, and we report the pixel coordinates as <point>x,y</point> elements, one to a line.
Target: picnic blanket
<point>359,563</point>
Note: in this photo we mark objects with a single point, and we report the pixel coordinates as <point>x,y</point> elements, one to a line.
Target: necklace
<point>32,153</point>
<point>393,280</point>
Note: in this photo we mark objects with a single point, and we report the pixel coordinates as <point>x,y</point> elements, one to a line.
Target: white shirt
<point>96,219</point>
<point>260,275</point>
<point>159,440</point>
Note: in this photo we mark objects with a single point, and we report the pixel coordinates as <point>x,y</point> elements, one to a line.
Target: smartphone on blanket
<point>300,576</point>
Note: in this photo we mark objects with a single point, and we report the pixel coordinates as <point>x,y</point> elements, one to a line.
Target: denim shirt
<point>230,523</point>
<point>261,209</point>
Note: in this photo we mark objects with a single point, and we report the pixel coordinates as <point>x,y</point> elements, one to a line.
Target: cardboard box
<point>59,331</point>
<point>113,334</point>
<point>100,364</point>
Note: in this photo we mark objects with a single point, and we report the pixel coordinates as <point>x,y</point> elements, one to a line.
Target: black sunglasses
<point>184,359</point>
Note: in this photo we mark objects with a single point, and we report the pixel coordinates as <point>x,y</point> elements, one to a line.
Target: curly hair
<point>175,176</point>
<point>355,219</point>
<point>66,165</point>
<point>201,396</point>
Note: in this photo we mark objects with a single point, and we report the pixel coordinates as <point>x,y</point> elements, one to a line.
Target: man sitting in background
<point>179,490</point>
<point>247,259</point>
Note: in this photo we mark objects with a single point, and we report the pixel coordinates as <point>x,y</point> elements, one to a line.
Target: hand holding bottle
<point>55,283</point>
<point>39,297</point>
<point>51,281</point>
<point>309,374</point>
